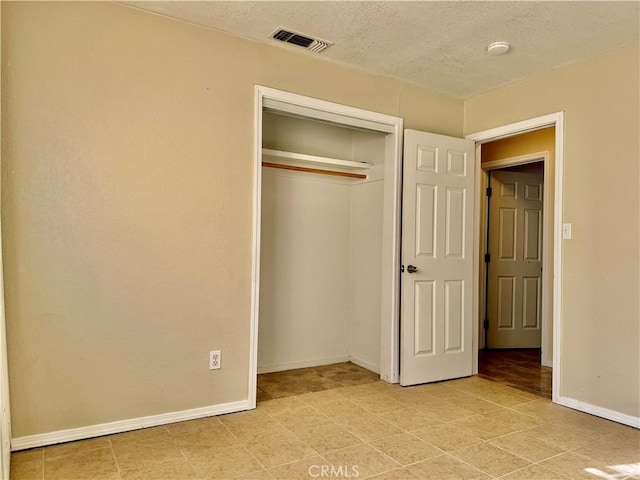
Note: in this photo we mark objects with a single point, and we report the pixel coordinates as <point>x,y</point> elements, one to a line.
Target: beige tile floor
<point>470,428</point>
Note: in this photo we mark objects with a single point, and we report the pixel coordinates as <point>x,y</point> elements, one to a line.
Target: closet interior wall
<point>321,250</point>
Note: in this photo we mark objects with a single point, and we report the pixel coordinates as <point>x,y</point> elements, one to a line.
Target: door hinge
<point>487,258</point>
<point>486,324</point>
<point>489,191</point>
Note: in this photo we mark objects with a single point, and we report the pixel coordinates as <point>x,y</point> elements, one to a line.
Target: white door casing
<point>437,225</point>
<point>5,417</point>
<point>556,120</point>
<point>515,267</point>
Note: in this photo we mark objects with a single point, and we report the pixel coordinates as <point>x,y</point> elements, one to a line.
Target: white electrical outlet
<point>214,360</point>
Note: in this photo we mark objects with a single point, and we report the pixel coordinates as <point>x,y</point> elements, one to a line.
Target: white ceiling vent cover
<point>305,41</point>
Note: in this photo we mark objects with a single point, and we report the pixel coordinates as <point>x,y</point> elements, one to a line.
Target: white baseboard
<point>365,364</point>
<point>600,412</point>
<point>547,363</point>
<point>301,364</point>
<point>91,431</point>
<point>81,433</point>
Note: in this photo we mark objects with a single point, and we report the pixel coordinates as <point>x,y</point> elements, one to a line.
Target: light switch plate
<point>566,231</point>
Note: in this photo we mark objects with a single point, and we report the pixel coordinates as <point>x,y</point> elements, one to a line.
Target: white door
<point>437,257</point>
<point>515,266</point>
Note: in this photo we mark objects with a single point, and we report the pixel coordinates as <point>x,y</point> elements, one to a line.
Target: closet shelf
<point>312,159</point>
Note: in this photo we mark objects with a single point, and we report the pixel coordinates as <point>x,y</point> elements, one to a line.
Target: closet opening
<point>326,271</point>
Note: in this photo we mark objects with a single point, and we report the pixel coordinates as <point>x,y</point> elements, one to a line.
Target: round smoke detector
<point>498,48</point>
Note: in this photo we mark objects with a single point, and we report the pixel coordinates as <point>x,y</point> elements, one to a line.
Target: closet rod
<point>314,170</point>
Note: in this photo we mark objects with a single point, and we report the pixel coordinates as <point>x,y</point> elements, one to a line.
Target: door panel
<point>531,296</point>
<point>425,303</point>
<point>455,231</point>
<point>507,235</point>
<point>436,327</point>
<point>532,234</point>
<point>506,301</point>
<point>515,284</point>
<point>454,313</point>
<point>425,218</point>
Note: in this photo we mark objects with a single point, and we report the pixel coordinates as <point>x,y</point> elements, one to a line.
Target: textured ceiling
<point>437,45</point>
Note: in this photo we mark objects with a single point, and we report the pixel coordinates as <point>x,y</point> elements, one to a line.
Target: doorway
<point>516,284</point>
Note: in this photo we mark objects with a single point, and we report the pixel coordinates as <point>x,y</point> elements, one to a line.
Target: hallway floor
<point>517,367</point>
<point>471,428</point>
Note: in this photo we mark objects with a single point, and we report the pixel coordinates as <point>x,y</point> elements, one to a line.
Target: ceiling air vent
<point>288,36</point>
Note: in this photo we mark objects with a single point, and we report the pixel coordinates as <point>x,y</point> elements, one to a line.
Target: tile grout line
<point>403,431</point>
<point>539,463</point>
<point>43,466</point>
<point>442,452</point>
<point>296,461</point>
<point>293,433</point>
<point>264,467</point>
<point>270,415</point>
<point>475,414</point>
<point>241,445</point>
<point>317,453</point>
<point>478,468</point>
<point>182,449</point>
<point>469,464</point>
<point>530,463</point>
<point>113,454</point>
<point>408,432</point>
<point>355,435</point>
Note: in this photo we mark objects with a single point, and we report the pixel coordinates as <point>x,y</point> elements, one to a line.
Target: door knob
<point>412,269</point>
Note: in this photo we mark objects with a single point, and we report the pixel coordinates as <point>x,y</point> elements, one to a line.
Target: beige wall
<point>127,204</point>
<point>127,196</point>
<point>524,144</point>
<point>601,315</point>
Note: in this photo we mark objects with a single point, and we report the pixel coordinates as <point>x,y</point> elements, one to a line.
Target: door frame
<point>300,105</point>
<point>5,410</point>
<point>551,120</point>
<point>547,239</point>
